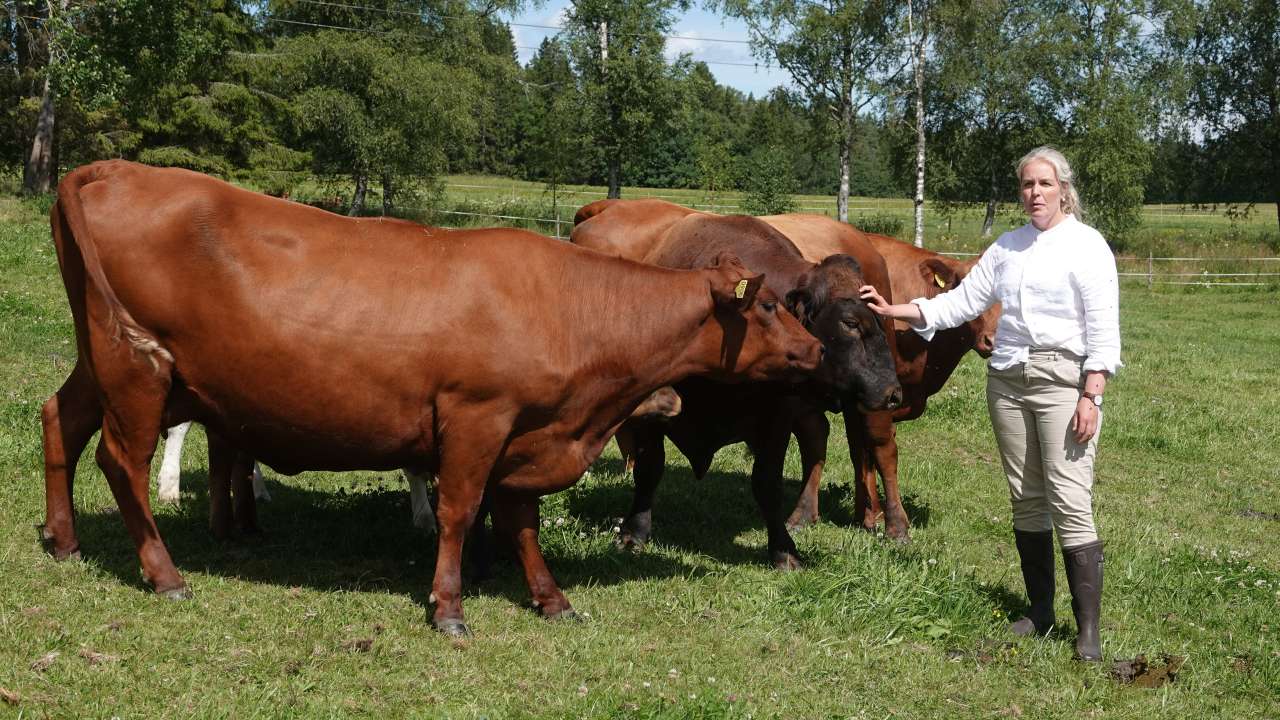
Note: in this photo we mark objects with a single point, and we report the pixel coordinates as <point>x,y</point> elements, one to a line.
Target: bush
<point>768,183</point>
<point>881,224</point>
<point>173,156</point>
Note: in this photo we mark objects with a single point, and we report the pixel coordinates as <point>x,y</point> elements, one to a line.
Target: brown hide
<point>923,366</point>
<point>713,415</point>
<point>495,358</point>
<point>625,228</point>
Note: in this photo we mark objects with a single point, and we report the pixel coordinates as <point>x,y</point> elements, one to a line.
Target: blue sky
<point>697,25</point>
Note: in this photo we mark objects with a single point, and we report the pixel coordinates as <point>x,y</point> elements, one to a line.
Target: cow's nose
<point>893,400</point>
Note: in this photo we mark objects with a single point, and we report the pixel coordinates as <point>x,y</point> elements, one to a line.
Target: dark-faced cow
<point>923,367</point>
<point>491,358</point>
<point>858,363</point>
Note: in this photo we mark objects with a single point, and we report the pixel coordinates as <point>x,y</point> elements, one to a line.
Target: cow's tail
<point>119,321</point>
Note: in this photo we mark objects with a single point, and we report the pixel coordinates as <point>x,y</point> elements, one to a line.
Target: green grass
<point>697,626</point>
<point>1222,238</point>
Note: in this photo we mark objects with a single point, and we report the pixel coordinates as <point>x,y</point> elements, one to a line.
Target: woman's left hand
<point>1085,422</point>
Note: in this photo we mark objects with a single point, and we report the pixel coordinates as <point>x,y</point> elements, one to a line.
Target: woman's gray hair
<point>1066,177</point>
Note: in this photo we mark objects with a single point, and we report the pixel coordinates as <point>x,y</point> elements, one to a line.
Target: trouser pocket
<point>1056,369</point>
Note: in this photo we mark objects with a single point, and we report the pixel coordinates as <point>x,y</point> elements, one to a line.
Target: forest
<point>1155,101</point>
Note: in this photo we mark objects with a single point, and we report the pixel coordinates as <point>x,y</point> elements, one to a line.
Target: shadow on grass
<point>706,516</point>
<point>355,535</point>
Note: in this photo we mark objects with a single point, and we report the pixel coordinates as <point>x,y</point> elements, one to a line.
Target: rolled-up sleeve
<point>975,293</point>
<point>1100,294</point>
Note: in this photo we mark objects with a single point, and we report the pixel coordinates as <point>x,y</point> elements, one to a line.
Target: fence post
<point>1150,265</point>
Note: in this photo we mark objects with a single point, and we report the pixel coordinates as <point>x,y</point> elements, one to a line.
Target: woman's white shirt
<point>1058,288</point>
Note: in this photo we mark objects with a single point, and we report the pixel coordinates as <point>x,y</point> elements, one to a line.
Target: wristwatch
<point>1095,397</point>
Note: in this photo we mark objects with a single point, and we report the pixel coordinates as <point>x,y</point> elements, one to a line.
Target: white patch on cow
<point>171,468</point>
<point>259,486</point>
<point>424,517</point>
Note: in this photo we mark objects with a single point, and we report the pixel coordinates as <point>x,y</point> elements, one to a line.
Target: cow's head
<point>942,274</point>
<point>858,360</point>
<point>762,341</point>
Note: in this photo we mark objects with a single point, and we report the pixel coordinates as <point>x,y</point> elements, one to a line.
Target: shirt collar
<point>1038,234</point>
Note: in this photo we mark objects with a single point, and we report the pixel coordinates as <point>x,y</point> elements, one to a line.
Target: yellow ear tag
<point>938,279</point>
<point>741,290</point>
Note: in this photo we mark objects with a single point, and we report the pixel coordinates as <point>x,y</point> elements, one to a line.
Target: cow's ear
<point>728,262</point>
<point>938,276</point>
<point>735,288</point>
<point>800,301</point>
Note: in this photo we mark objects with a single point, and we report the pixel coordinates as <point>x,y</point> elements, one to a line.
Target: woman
<point>1057,342</point>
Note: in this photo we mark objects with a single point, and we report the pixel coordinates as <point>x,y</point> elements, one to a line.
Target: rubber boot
<point>1084,576</point>
<point>1036,551</point>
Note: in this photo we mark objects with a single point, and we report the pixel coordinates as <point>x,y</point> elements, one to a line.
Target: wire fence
<point>1153,274</point>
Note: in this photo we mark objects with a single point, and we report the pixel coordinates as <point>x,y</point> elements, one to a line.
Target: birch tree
<point>840,52</point>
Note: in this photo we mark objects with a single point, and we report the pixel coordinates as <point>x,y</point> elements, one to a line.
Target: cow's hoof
<point>785,561</point>
<point>567,614</point>
<point>626,542</point>
<point>178,593</point>
<point>800,521</point>
<point>61,555</point>
<point>452,628</point>
<point>901,537</point>
<point>59,551</point>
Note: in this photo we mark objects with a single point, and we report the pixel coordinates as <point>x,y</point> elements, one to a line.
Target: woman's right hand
<point>874,300</point>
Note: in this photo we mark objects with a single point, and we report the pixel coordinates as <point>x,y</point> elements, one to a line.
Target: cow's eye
<point>769,306</point>
<point>852,326</point>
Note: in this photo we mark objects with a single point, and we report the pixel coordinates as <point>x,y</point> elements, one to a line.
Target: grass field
<point>324,615</point>
<point>1224,242</point>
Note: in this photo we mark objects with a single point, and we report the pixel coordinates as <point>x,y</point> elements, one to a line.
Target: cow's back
<point>625,228</point>
<point>284,320</point>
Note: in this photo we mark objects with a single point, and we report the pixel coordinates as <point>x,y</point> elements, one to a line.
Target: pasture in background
<point>324,614</point>
<point>1214,244</point>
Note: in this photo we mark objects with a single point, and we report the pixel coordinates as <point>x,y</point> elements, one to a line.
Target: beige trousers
<point>1050,474</point>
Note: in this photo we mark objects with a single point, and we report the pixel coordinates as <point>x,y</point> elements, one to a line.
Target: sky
<point>698,30</point>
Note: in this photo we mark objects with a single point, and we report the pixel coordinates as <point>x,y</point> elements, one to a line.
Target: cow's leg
<point>135,398</point>
<point>259,485</point>
<point>866,498</point>
<point>883,444</point>
<point>69,417</point>
<point>222,458</point>
<point>650,462</point>
<point>465,466</point>
<point>517,516</point>
<point>171,467</point>
<point>811,430</point>
<point>770,451</point>
<point>243,471</point>
<point>626,447</point>
<point>424,518</point>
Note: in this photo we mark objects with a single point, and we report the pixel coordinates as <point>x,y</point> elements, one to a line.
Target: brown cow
<point>646,220</point>
<point>923,367</point>
<point>310,341</point>
<point>858,363</point>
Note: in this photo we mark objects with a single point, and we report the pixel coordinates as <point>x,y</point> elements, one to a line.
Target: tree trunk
<point>388,205</point>
<point>37,174</point>
<point>1274,105</point>
<point>918,51</point>
<point>990,219</point>
<point>357,200</point>
<point>846,141</point>
<point>614,159</point>
<point>615,174</point>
